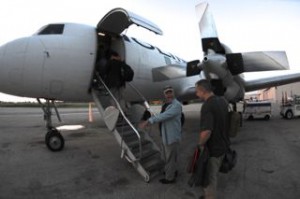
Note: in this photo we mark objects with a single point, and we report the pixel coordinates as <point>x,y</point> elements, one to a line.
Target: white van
<point>291,108</point>
<point>259,110</point>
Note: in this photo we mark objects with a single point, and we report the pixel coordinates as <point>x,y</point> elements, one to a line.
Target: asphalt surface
<point>90,164</point>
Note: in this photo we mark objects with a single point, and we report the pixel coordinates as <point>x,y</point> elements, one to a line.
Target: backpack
<point>182,119</point>
<point>127,73</point>
<point>234,123</point>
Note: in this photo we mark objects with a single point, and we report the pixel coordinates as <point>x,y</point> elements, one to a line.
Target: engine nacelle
<point>216,66</point>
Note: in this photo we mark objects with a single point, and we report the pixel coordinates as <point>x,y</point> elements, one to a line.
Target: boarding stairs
<point>137,147</point>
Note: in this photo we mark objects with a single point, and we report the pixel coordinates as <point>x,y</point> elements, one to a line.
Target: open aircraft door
<point>117,20</point>
<point>111,27</point>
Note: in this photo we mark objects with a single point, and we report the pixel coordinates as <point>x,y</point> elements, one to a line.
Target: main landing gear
<point>53,139</point>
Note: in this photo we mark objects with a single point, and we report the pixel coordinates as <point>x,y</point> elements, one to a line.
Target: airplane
<point>57,63</point>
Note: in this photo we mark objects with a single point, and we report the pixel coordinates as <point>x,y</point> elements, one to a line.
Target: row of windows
<point>258,104</point>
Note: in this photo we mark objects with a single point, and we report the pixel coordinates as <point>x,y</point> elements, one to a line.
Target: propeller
<point>222,67</point>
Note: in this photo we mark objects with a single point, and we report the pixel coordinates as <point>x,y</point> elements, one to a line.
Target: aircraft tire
<point>251,118</point>
<point>289,115</point>
<point>267,117</point>
<point>54,141</point>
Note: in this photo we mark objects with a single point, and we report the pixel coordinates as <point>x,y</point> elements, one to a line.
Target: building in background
<point>276,94</point>
<point>252,96</point>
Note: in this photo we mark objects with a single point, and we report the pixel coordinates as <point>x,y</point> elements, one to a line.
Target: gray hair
<point>205,84</point>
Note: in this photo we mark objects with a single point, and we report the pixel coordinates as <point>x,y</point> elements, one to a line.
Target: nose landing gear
<point>53,139</point>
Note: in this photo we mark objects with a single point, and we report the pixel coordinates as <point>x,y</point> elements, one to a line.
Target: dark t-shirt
<point>113,74</point>
<point>163,109</point>
<point>214,117</point>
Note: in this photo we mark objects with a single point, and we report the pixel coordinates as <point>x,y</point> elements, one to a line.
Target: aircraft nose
<point>12,57</point>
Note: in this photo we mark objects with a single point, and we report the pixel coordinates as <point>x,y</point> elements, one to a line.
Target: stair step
<point>155,165</point>
<point>128,134</point>
<point>130,137</point>
<point>150,155</point>
<point>127,130</point>
<point>121,123</point>
<point>136,151</point>
<point>147,154</point>
<point>124,128</point>
<point>135,144</point>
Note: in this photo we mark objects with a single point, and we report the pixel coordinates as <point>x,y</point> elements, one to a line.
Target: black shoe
<point>165,181</point>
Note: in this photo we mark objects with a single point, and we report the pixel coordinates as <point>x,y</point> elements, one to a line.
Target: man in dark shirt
<point>113,76</point>
<point>213,132</point>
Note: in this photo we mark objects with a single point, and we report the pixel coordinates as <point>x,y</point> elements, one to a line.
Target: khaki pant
<point>213,166</point>
<point>170,153</point>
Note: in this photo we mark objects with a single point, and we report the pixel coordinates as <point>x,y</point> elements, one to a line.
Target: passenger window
<point>53,29</point>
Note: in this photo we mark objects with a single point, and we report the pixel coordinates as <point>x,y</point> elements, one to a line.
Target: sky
<point>256,25</point>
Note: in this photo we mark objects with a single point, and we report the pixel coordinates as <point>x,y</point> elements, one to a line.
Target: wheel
<point>267,117</point>
<point>289,115</point>
<point>250,117</point>
<point>54,141</point>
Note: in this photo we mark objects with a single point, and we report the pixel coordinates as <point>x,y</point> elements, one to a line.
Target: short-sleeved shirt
<point>214,117</point>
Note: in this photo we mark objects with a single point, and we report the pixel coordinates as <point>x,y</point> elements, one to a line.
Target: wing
<point>260,80</point>
<point>168,72</point>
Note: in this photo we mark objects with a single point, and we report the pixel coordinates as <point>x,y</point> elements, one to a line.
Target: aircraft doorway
<point>107,45</point>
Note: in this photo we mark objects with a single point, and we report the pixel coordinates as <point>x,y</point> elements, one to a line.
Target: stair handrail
<point>146,104</point>
<point>123,114</point>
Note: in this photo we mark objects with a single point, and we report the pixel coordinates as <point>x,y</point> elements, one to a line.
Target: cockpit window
<point>52,29</point>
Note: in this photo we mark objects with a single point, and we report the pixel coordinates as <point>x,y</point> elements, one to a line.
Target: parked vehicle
<point>257,110</point>
<point>291,107</point>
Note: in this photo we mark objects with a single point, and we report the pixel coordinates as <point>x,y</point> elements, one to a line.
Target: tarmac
<point>90,165</point>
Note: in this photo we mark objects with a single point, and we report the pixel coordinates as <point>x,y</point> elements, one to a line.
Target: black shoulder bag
<point>230,157</point>
<point>229,161</point>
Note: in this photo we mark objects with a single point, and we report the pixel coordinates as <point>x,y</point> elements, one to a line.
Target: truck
<point>290,108</point>
<point>257,110</point>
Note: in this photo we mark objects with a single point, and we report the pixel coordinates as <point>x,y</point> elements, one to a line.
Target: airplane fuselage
<point>60,65</point>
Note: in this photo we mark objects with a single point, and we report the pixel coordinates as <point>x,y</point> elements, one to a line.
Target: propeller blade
<point>265,61</point>
<point>256,61</point>
<point>207,25</point>
<point>208,29</point>
<point>192,68</point>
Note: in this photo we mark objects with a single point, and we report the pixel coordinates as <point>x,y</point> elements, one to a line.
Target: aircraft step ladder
<point>137,147</point>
